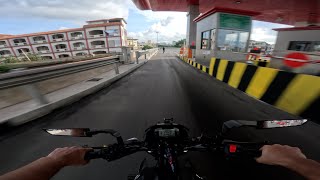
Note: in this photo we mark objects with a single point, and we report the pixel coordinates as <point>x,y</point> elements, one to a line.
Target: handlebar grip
<point>92,155</point>
<point>255,153</point>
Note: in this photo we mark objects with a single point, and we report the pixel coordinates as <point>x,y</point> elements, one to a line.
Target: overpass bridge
<point>163,87</point>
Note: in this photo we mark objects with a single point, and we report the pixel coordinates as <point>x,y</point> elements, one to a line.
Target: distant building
<point>132,43</point>
<point>96,37</point>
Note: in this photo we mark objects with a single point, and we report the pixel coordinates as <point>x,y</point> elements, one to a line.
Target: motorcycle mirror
<point>75,132</point>
<point>262,124</point>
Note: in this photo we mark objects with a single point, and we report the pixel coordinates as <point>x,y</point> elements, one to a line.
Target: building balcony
<point>61,50</point>
<point>44,51</point>
<point>58,40</point>
<point>79,48</point>
<point>77,37</point>
<point>20,44</point>
<point>3,45</point>
<point>98,46</point>
<point>40,41</point>
<point>96,36</point>
<point>5,55</point>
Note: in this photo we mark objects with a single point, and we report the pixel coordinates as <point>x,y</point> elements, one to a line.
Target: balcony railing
<point>97,35</point>
<point>40,41</point>
<point>61,50</point>
<point>77,37</point>
<point>98,46</point>
<point>3,45</point>
<point>79,48</point>
<point>44,51</point>
<point>57,40</point>
<point>20,44</point>
<point>5,55</point>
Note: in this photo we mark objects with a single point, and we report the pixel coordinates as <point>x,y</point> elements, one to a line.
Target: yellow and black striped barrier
<point>297,94</point>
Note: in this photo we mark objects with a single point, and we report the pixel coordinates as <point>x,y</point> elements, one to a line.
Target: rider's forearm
<point>43,168</point>
<point>305,167</point>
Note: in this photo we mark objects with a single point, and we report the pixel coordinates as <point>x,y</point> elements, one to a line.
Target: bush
<point>4,69</point>
<point>146,47</point>
<point>32,57</point>
<point>10,59</point>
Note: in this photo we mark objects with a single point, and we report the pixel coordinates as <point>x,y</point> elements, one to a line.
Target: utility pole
<point>157,37</point>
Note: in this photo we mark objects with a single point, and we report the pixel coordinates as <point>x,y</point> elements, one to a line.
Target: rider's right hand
<point>69,156</point>
<point>280,155</point>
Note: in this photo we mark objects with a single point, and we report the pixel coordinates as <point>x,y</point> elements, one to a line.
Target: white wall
<point>115,49</point>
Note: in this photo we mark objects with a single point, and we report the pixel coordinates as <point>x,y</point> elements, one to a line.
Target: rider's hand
<point>69,156</point>
<point>279,155</point>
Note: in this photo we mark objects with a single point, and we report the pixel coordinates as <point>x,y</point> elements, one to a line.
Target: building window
<point>307,46</point>
<point>205,40</point>
<point>112,32</point>
<point>57,36</point>
<point>232,40</point>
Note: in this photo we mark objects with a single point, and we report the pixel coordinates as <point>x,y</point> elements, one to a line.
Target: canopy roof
<point>277,11</point>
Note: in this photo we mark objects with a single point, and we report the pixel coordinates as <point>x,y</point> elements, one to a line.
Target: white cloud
<point>264,34</point>
<point>61,28</point>
<point>170,25</point>
<point>70,10</point>
<point>262,31</point>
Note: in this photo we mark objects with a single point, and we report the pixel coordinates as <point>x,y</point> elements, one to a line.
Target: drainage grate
<point>95,79</point>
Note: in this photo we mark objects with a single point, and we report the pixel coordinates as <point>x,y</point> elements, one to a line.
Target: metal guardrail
<point>35,75</point>
<point>144,52</point>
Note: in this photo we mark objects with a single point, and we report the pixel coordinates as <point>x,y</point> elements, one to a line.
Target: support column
<point>191,25</point>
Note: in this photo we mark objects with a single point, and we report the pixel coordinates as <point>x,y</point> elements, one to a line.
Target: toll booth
<point>223,33</point>
<point>297,49</point>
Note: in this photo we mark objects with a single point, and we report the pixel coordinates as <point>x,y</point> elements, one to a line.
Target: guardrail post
<point>145,56</point>
<point>137,57</point>
<point>116,68</point>
<point>34,92</point>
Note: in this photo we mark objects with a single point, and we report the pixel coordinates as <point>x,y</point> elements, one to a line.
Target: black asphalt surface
<point>164,87</point>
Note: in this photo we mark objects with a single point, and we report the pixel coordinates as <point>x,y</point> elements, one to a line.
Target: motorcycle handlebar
<point>92,155</point>
<point>230,149</point>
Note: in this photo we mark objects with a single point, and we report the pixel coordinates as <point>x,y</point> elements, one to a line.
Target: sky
<point>44,15</point>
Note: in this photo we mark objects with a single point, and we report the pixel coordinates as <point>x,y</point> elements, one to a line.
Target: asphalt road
<point>164,87</point>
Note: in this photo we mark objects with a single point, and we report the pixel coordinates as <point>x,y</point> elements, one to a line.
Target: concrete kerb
<point>40,111</point>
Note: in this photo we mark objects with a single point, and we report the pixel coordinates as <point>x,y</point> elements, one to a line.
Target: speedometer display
<point>167,132</point>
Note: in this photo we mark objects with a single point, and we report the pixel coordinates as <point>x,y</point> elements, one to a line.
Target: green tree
<point>180,43</point>
<point>145,47</point>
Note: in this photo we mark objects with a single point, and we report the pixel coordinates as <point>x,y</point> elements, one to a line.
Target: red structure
<point>277,11</point>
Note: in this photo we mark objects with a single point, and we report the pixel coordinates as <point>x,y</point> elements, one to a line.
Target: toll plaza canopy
<point>288,12</point>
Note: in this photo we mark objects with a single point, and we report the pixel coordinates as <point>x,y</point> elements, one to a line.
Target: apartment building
<point>96,37</point>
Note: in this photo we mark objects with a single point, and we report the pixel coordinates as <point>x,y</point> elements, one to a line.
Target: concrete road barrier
<point>298,94</point>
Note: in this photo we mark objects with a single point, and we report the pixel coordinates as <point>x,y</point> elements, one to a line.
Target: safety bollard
<point>116,68</point>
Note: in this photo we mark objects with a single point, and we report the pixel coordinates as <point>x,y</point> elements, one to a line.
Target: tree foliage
<point>145,47</point>
<point>180,43</point>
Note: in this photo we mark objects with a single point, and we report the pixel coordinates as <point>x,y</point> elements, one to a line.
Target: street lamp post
<point>157,37</point>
